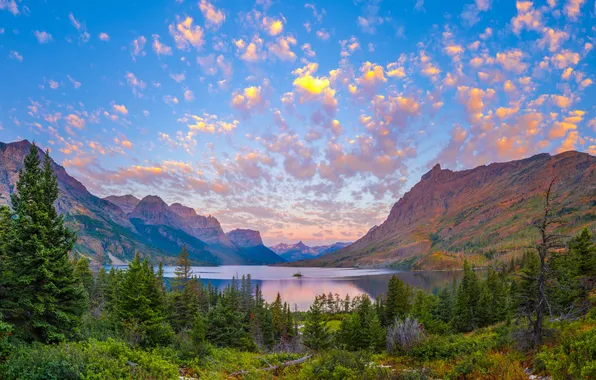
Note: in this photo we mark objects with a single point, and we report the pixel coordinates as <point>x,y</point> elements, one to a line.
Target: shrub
<point>86,360</point>
<point>340,365</point>
<point>403,335</point>
<point>574,358</point>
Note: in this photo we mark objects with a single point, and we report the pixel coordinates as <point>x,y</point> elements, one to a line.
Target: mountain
<point>251,244</point>
<point>111,230</point>
<point>479,214</point>
<point>300,251</point>
<point>127,203</point>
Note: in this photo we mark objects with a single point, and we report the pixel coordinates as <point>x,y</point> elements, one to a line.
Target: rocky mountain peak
<point>245,238</point>
<point>182,210</point>
<point>127,202</point>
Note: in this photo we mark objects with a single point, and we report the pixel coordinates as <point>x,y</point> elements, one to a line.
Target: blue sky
<point>304,121</point>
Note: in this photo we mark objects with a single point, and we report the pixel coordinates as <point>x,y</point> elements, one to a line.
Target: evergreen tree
<point>83,273</point>
<point>583,251</point>
<point>41,295</point>
<point>466,301</point>
<point>183,270</point>
<point>140,305</point>
<point>397,301</point>
<point>316,335</point>
<point>445,306</point>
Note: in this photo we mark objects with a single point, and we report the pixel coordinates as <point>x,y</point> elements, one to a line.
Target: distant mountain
<point>251,244</point>
<point>111,230</point>
<point>127,203</point>
<point>480,214</point>
<point>300,251</point>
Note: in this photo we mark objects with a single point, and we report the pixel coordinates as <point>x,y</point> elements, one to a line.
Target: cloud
<point>207,123</point>
<point>252,51</point>
<point>75,121</point>
<point>565,59</point>
<point>527,18</point>
<point>42,37</point>
<point>186,34</point>
<point>322,34</point>
<point>572,9</point>
<point>189,96</point>
<point>53,84</point>
<point>135,83</point>
<point>9,5</point>
<point>160,48</point>
<point>273,26</point>
<point>138,47</point>
<point>214,18</point>
<point>104,37</point>
<point>120,108</point>
<point>512,60</point>
<point>373,76</point>
<point>15,55</point>
<point>79,26</point>
<point>249,100</point>
<point>282,48</point>
<point>75,83</point>
<point>552,39</point>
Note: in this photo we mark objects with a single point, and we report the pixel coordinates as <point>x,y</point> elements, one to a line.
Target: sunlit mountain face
<point>304,121</point>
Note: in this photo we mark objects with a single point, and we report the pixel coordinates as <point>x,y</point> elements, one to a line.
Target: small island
<point>297,274</point>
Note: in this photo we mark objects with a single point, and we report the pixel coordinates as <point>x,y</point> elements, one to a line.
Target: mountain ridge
<point>480,214</point>
<point>119,226</point>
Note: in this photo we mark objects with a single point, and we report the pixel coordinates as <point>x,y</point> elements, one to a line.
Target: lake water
<point>314,281</point>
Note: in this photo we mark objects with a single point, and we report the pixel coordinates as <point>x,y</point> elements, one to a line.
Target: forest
<point>62,319</point>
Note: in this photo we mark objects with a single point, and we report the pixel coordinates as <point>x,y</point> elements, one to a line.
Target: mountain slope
<point>481,214</point>
<point>252,247</point>
<point>115,228</point>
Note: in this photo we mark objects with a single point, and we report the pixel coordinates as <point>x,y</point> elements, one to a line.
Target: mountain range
<point>112,229</point>
<point>479,214</point>
<point>300,251</point>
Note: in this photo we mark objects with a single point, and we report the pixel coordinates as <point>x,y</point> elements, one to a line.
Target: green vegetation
<point>61,320</point>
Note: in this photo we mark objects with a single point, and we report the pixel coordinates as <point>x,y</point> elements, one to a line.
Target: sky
<point>305,121</point>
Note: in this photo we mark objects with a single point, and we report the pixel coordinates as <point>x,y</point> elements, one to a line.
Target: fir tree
<point>140,305</point>
<point>183,270</point>
<point>41,295</point>
<point>84,274</point>
<point>397,302</point>
<point>466,301</point>
<point>316,335</point>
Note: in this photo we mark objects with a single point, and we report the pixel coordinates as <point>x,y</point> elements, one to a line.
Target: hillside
<point>481,214</point>
<point>111,230</point>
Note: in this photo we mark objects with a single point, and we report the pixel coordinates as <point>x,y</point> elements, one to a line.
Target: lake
<point>300,292</point>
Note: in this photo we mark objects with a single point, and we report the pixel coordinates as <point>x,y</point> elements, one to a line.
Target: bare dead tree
<point>549,242</point>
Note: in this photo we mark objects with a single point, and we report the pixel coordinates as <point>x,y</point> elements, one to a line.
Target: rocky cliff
<point>251,244</point>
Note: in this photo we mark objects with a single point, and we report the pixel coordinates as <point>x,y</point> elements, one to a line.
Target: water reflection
<point>300,292</point>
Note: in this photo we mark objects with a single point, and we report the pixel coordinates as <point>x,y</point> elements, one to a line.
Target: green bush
<point>456,346</point>
<point>340,365</point>
<point>574,358</point>
<point>86,360</point>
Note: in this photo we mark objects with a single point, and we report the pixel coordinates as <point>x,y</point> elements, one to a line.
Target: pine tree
<point>583,251</point>
<point>84,274</point>
<point>277,310</point>
<point>397,302</point>
<point>445,307</point>
<point>183,270</point>
<point>141,307</point>
<point>316,335</point>
<point>466,301</point>
<point>41,295</point>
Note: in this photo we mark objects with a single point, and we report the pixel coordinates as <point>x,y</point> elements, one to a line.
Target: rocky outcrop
<point>245,238</point>
<point>484,212</point>
<point>249,242</point>
<point>127,203</point>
